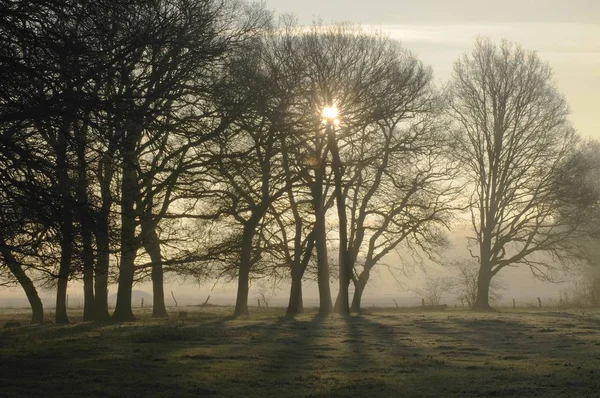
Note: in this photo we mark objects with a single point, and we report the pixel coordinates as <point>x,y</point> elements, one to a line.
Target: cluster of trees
<point>188,137</point>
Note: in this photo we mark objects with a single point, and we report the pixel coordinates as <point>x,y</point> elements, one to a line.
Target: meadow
<point>382,352</point>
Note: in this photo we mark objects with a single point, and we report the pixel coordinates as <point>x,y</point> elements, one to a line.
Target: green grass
<point>382,353</point>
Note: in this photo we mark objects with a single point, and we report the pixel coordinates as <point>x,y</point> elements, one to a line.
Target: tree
<point>465,283</point>
<point>586,287</point>
<point>297,234</point>
<point>18,236</point>
<point>298,218</point>
<point>519,153</point>
<point>391,180</point>
<point>105,100</point>
<point>247,176</point>
<point>181,47</point>
<point>401,182</point>
<point>434,288</point>
<point>44,56</point>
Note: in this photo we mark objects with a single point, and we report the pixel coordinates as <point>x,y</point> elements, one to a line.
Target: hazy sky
<point>565,33</point>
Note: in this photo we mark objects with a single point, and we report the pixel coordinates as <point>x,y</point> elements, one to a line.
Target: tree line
<point>148,138</point>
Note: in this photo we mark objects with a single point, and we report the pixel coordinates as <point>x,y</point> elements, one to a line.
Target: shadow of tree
<point>358,355</point>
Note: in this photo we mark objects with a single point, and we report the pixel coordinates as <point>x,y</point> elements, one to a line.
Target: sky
<point>564,33</point>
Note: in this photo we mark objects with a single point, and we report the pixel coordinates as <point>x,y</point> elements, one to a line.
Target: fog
<point>390,281</point>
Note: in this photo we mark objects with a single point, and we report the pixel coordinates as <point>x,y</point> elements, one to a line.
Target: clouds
<point>572,49</point>
<point>445,11</point>
<point>541,36</point>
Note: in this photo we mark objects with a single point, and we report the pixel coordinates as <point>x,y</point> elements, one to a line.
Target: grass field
<point>390,353</point>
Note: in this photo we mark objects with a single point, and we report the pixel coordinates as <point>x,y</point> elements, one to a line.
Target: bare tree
<point>295,238</point>
<point>248,175</point>
<point>265,294</point>
<point>465,283</point>
<point>434,289</point>
<point>18,235</point>
<point>586,287</point>
<point>94,91</point>
<point>402,195</point>
<point>386,151</point>
<point>298,218</point>
<point>181,49</point>
<point>518,148</point>
<point>44,55</point>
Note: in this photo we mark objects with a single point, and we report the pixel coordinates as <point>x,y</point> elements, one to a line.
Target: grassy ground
<point>383,353</point>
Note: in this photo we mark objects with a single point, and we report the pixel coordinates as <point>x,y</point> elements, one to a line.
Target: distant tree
<point>585,290</point>
<point>519,153</point>
<point>586,286</point>
<point>465,283</point>
<point>434,289</point>
<point>265,294</point>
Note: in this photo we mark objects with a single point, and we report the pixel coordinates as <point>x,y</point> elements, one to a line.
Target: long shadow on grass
<point>375,344</point>
<point>398,360</point>
<point>163,358</point>
<point>364,355</point>
<point>290,361</point>
<point>508,339</point>
<point>257,358</point>
<point>385,360</point>
<point>233,357</point>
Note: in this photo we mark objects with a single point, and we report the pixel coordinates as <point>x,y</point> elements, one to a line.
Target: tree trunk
<point>152,246</point>
<point>37,309</point>
<point>106,172</point>
<point>295,305</point>
<point>483,288</point>
<point>241,303</point>
<point>101,275</point>
<point>359,288</point>
<point>66,228</point>
<point>85,222</point>
<point>89,307</point>
<point>343,301</point>
<point>61,301</point>
<point>325,304</point>
<point>321,239</point>
<point>129,244</point>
